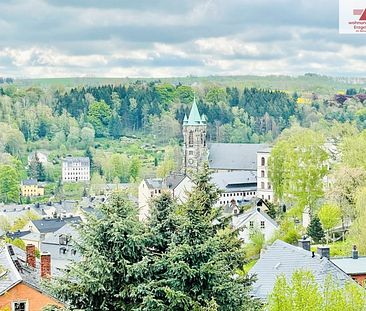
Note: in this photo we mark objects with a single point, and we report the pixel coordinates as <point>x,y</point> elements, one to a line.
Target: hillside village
<point>284,215</point>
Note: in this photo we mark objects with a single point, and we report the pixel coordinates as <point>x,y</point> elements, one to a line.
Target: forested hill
<point>308,83</point>
<point>251,115</point>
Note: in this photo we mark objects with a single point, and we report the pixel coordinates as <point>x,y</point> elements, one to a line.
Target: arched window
<point>263,161</point>
<point>63,250</point>
<point>73,252</point>
<point>190,138</point>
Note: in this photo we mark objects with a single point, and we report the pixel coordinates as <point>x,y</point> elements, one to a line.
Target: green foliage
<point>304,293</point>
<point>196,272</point>
<point>99,115</point>
<point>112,244</point>
<point>315,230</point>
<point>297,167</point>
<point>329,215</point>
<point>358,228</point>
<point>256,244</point>
<point>288,232</point>
<point>9,184</point>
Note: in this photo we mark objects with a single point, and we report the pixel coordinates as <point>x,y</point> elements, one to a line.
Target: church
<point>230,160</point>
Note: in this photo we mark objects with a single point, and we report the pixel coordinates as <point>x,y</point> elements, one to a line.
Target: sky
<point>164,38</point>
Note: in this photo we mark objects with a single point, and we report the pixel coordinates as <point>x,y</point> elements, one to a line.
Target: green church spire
<point>194,116</point>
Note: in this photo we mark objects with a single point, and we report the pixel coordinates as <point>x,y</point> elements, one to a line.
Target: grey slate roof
<point>351,266</point>
<point>54,224</point>
<point>11,275</point>
<point>82,160</point>
<point>173,180</point>
<point>234,156</point>
<point>29,182</point>
<point>284,259</point>
<point>235,181</point>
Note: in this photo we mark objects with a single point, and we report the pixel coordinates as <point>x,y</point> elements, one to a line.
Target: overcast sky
<point>144,38</point>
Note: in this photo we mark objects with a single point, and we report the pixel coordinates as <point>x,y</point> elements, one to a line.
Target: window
<point>73,252</point>
<point>251,224</point>
<point>262,173</point>
<point>269,198</point>
<point>263,161</point>
<point>63,251</point>
<point>263,224</point>
<point>190,138</point>
<point>20,306</point>
<point>262,185</point>
<point>63,239</point>
<point>190,152</point>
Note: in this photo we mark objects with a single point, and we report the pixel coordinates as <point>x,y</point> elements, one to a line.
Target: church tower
<point>195,146</point>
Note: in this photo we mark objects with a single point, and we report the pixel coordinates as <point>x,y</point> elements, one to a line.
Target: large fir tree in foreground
<point>178,261</point>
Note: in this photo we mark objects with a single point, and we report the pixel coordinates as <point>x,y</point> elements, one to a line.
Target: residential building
<point>31,188</point>
<point>254,220</point>
<point>284,259</point>
<point>237,186</point>
<point>354,266</point>
<point>50,225</point>
<point>177,184</point>
<point>20,279</point>
<point>194,134</point>
<point>75,169</point>
<point>61,246</point>
<point>264,190</point>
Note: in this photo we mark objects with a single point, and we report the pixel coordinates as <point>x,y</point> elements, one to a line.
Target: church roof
<point>194,116</point>
<point>234,156</point>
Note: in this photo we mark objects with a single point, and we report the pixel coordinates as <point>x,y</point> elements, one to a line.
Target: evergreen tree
<point>89,154</point>
<point>315,229</point>
<point>111,245</point>
<point>198,270</point>
<point>115,126</point>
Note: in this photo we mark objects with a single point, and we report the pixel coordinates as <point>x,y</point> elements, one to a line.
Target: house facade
<point>254,220</point>
<point>31,188</point>
<point>21,287</point>
<point>76,169</point>
<point>178,185</point>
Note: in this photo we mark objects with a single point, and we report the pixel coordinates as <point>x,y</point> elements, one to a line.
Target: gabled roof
<point>53,224</point>
<point>240,220</point>
<point>284,259</point>
<point>234,156</point>
<point>194,116</point>
<point>173,180</point>
<point>13,262</point>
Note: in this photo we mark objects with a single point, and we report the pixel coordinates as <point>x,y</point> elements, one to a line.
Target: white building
<point>75,169</point>
<point>254,220</point>
<point>237,186</point>
<point>264,186</point>
<point>178,185</point>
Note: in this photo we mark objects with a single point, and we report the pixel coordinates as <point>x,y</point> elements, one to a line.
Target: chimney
<point>304,243</point>
<point>324,251</point>
<point>354,252</point>
<point>45,265</point>
<point>30,251</point>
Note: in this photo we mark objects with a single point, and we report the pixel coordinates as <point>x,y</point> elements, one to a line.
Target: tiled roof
<point>350,265</point>
<point>15,269</point>
<point>53,224</point>
<point>234,156</point>
<point>29,182</point>
<point>82,160</point>
<point>240,220</point>
<point>284,259</point>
